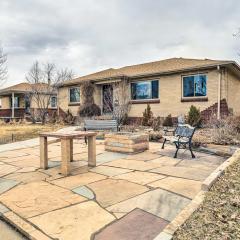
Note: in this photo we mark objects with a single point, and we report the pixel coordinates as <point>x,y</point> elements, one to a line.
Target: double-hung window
<point>16,102</point>
<point>74,95</point>
<point>195,86</point>
<point>145,90</point>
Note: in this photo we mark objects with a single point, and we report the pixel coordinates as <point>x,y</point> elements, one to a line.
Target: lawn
<point>219,215</point>
<point>19,132</point>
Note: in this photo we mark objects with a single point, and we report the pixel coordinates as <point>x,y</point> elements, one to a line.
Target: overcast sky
<point>91,35</point>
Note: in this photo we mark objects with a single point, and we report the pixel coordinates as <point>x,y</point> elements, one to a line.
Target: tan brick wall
<point>63,99</point>
<point>170,93</point>
<point>5,102</point>
<point>233,92</point>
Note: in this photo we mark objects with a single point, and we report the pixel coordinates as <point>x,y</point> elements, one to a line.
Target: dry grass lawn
<point>21,132</point>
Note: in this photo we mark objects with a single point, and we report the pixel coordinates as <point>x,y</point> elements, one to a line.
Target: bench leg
<point>177,148</point>
<point>43,153</point>
<point>65,148</point>
<point>164,143</point>
<point>190,148</point>
<point>92,151</point>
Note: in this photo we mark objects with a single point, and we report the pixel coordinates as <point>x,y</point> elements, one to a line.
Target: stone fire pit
<point>126,142</point>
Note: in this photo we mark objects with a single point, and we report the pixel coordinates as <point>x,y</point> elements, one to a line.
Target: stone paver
<point>26,169</point>
<point>144,156</point>
<point>3,210</point>
<point>110,171</point>
<point>137,225</point>
<point>78,180</point>
<point>38,197</point>
<point>84,191</point>
<point>140,177</point>
<point>132,164</point>
<point>77,222</point>
<point>27,177</point>
<point>199,164</point>
<point>183,172</point>
<point>26,162</point>
<point>5,185</point>
<point>110,191</point>
<point>185,187</point>
<point>166,161</point>
<point>6,169</point>
<point>109,156</point>
<point>159,202</point>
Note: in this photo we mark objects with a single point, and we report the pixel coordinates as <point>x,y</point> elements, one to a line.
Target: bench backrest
<point>100,125</point>
<point>185,130</point>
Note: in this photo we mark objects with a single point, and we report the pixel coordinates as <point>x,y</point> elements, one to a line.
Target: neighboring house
<point>16,101</point>
<point>170,86</point>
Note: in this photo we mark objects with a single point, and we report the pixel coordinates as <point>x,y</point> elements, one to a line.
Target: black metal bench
<point>181,137</point>
<point>101,125</point>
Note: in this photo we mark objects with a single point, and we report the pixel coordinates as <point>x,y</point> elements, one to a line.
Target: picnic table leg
<point>43,153</point>
<point>65,148</point>
<point>92,151</point>
<point>71,150</point>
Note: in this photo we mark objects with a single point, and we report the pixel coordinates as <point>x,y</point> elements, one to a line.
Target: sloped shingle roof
<point>162,66</point>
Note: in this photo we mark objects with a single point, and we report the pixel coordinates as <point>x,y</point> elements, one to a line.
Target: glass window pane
<point>155,89</point>
<point>143,90</point>
<point>188,86</point>
<point>53,102</point>
<point>74,95</point>
<point>133,91</point>
<point>200,85</point>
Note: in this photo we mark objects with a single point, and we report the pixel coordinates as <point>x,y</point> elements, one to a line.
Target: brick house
<point>170,86</point>
<point>15,101</point>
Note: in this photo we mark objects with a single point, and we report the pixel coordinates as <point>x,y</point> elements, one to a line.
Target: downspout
<point>219,93</point>
<point>13,104</point>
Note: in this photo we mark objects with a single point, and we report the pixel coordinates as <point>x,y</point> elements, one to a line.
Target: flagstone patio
<point>124,197</point>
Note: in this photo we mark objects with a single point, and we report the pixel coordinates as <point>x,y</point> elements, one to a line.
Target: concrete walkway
<point>128,197</point>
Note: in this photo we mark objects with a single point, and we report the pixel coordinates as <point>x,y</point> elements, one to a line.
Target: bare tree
<point>45,80</point>
<point>117,100</point>
<point>3,66</point>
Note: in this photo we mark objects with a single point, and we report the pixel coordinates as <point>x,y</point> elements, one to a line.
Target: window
<point>195,86</point>
<point>145,90</point>
<point>53,102</point>
<point>16,102</point>
<point>74,95</point>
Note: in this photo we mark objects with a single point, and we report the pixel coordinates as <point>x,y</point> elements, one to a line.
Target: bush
<point>147,117</point>
<point>90,110</point>
<point>168,122</point>
<point>157,124</point>
<point>68,118</point>
<point>194,117</point>
<point>226,131</point>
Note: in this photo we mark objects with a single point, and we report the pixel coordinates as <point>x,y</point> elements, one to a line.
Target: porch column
<point>13,105</point>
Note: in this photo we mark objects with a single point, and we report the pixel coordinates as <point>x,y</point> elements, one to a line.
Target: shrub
<point>194,117</point>
<point>69,118</point>
<point>147,117</point>
<point>90,110</point>
<point>226,131</point>
<point>168,122</point>
<point>157,124</point>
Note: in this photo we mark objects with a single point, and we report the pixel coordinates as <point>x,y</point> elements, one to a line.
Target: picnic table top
<point>69,135</point>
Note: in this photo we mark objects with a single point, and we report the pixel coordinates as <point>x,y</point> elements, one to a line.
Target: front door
<point>107,96</point>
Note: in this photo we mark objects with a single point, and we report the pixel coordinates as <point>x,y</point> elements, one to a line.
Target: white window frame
<point>69,99</point>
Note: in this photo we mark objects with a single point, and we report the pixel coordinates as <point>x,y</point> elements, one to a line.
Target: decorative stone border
<point>182,217</point>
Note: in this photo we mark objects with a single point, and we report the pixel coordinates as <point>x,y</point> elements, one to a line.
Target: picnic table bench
<point>181,137</point>
<point>67,148</point>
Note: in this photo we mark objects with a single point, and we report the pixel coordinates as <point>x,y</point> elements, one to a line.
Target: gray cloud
<point>92,35</point>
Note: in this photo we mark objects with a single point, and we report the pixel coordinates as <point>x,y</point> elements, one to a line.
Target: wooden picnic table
<point>67,148</point>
